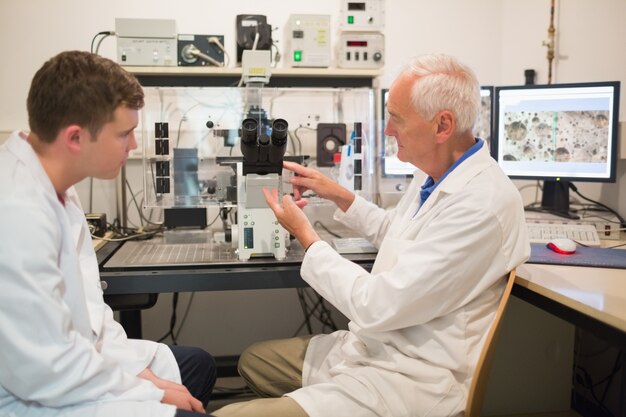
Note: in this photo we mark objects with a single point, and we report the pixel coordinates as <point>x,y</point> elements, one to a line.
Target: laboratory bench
<point>593,299</point>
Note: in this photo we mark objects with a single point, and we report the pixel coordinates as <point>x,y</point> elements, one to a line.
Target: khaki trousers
<point>270,369</point>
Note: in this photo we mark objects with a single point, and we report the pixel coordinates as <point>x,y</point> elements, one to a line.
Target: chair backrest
<point>481,374</point>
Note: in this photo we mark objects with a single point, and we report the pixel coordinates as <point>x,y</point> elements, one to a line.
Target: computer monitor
<point>557,133</point>
<point>484,123</point>
<point>392,166</point>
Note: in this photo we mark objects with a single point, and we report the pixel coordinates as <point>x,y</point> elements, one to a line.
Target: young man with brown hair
<point>62,353</point>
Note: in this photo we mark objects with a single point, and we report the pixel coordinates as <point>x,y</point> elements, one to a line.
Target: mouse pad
<point>594,257</point>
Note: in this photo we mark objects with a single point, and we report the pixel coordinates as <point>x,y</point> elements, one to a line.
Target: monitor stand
<point>555,199</point>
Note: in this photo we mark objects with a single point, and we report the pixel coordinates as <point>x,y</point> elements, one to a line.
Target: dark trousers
<point>185,413</point>
<point>197,371</point>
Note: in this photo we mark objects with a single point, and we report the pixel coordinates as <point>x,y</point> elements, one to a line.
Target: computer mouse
<point>562,245</point>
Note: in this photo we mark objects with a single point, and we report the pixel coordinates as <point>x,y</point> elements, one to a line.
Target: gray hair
<point>445,84</point>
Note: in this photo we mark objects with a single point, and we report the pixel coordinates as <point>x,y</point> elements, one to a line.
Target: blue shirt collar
<point>430,184</point>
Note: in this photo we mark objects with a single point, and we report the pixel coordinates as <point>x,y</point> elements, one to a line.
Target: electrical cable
<point>138,236</point>
<point>214,220</point>
<point>609,378</point>
<point>135,201</point>
<point>305,311</point>
<point>122,234</point>
<point>621,219</point>
<point>183,118</point>
<point>616,246</point>
<point>295,132</point>
<point>104,33</point>
<point>586,208</point>
<point>170,332</point>
<point>537,187</point>
<point>314,307</point>
<point>320,224</point>
<point>277,55</point>
<point>215,40</point>
<point>255,44</point>
<point>324,315</point>
<point>587,383</point>
<point>583,378</point>
<point>185,314</point>
<point>100,41</point>
<point>192,53</point>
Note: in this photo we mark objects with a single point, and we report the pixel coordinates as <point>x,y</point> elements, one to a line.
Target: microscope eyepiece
<point>262,148</point>
<point>279,141</point>
<point>249,132</point>
<point>279,132</point>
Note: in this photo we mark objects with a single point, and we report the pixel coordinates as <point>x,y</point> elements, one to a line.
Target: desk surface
<point>599,293</point>
<point>221,271</point>
<point>585,296</point>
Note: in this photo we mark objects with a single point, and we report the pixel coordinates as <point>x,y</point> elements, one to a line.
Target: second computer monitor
<point>392,166</point>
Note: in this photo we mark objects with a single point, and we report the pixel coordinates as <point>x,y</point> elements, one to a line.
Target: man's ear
<point>446,125</point>
<point>72,137</point>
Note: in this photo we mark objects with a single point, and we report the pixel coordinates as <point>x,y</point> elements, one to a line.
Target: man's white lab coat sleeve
<point>133,358</point>
<point>428,277</point>
<point>367,219</point>
<point>135,355</point>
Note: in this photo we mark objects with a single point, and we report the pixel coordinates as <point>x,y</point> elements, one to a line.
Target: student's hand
<point>310,179</point>
<point>160,382</point>
<point>291,217</point>
<point>175,394</point>
<point>182,400</point>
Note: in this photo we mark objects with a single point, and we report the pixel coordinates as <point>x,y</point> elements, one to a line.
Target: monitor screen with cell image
<point>557,133</point>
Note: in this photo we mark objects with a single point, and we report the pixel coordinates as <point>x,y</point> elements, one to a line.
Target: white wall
<point>498,38</point>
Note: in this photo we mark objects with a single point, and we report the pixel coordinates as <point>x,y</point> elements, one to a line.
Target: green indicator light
<point>350,20</point>
<point>297,56</point>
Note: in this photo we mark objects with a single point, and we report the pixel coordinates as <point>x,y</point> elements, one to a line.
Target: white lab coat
<point>61,352</point>
<point>419,319</point>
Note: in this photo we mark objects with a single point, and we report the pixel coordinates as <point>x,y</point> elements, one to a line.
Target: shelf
<point>276,72</point>
<point>281,77</point>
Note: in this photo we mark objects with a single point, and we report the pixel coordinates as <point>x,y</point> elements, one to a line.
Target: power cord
<point>584,379</point>
<point>187,309</point>
<point>215,41</point>
<point>104,35</point>
<point>597,203</point>
<point>122,234</point>
<point>320,224</point>
<point>170,333</point>
<point>314,306</point>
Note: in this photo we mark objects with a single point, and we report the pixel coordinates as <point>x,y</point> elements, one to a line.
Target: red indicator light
<point>357,43</point>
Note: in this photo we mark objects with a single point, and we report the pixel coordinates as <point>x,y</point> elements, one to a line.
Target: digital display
<point>356,6</point>
<point>361,44</point>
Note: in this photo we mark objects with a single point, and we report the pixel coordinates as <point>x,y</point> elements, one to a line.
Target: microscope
<point>263,148</point>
